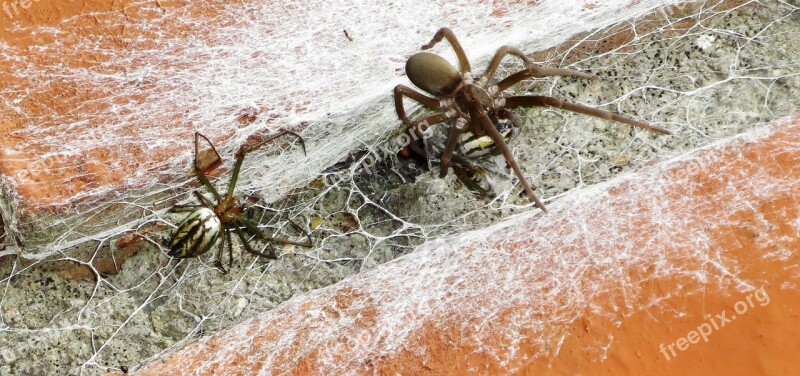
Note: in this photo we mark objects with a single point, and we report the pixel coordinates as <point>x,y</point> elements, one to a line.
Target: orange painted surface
<point>707,286</point>
<point>620,329</point>
<point>39,155</point>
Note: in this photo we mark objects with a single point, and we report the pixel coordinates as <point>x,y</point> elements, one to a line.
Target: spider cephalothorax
<point>212,220</point>
<point>480,109</point>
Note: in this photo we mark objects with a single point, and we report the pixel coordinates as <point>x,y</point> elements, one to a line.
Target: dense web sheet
<point>130,100</point>
<point>567,267</point>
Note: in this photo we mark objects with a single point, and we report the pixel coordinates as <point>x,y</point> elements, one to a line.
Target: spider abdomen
<point>195,234</point>
<point>432,73</point>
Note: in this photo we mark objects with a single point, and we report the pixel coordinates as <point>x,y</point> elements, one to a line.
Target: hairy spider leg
<point>446,33</point>
<point>452,142</point>
<point>534,71</point>
<point>516,125</point>
<point>422,125</point>
<point>498,57</point>
<point>474,97</point>
<point>401,91</point>
<point>540,101</point>
<point>483,117</point>
<point>417,128</point>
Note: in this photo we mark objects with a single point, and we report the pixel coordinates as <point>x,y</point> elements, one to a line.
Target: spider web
<point>128,100</point>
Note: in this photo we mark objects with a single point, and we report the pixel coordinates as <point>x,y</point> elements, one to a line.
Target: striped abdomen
<point>195,234</point>
<point>478,146</point>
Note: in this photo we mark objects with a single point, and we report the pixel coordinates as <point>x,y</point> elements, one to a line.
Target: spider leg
<point>203,200</point>
<point>448,34</point>
<point>199,171</point>
<point>259,234</point>
<point>498,57</point>
<point>539,101</point>
<point>418,130</point>
<point>506,114</point>
<point>401,91</point>
<point>220,252</point>
<point>262,143</point>
<point>516,124</point>
<point>452,142</point>
<point>308,244</point>
<point>250,249</point>
<point>483,117</point>
<point>414,150</point>
<point>418,150</point>
<point>184,208</point>
<point>230,248</point>
<point>534,71</point>
<point>241,154</point>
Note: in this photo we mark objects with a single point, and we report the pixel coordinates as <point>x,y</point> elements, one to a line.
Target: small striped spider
<point>212,220</point>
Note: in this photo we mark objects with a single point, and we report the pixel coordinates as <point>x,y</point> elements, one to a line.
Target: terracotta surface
<point>619,331</point>
<point>34,154</point>
<point>65,84</point>
<point>46,166</point>
<point>44,175</point>
<point>54,164</point>
<point>749,264</point>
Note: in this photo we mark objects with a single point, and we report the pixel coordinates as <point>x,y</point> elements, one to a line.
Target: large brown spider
<point>479,107</point>
<point>198,232</point>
